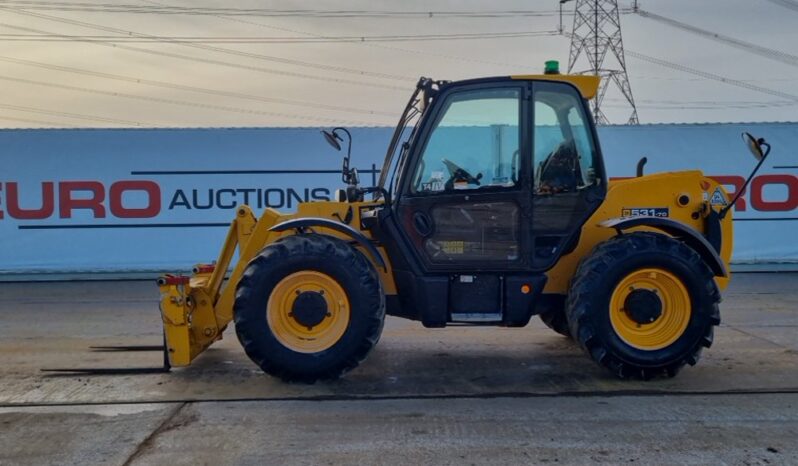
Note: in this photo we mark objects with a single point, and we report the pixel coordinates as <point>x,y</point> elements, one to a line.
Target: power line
<point>275,40</point>
<point>78,116</point>
<point>718,104</point>
<point>36,122</point>
<point>315,13</point>
<point>427,52</point>
<point>184,103</point>
<point>239,53</point>
<point>699,107</point>
<point>185,87</point>
<point>712,76</point>
<point>789,4</point>
<point>706,105</point>
<point>766,52</point>
<point>322,78</point>
<point>703,75</point>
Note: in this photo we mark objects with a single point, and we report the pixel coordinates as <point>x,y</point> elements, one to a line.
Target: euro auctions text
<point>139,199</point>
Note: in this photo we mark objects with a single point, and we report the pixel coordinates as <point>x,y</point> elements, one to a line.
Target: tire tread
<point>313,247</point>
<point>585,282</point>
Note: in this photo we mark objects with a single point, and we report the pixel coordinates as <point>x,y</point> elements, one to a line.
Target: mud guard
<point>309,222</point>
<point>679,231</point>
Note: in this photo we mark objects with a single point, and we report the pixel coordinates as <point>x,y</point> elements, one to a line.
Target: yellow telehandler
<point>492,206</point>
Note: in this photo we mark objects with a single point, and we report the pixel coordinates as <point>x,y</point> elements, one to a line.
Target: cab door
<point>462,206</point>
<point>568,176</point>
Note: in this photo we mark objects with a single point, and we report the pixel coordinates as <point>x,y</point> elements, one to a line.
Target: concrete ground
<point>447,396</point>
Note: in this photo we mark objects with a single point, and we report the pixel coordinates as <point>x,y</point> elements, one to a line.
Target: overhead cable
<point>274,12</point>
<point>276,40</point>
<point>224,108</point>
<point>766,52</point>
<point>78,116</point>
<point>185,87</point>
<point>323,78</point>
<point>250,55</point>
<point>712,76</point>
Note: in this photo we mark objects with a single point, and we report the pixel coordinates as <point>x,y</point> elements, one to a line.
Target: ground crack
<point>164,426</point>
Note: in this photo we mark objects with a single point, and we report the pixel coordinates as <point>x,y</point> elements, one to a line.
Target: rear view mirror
<point>332,139</point>
<point>760,150</point>
<point>754,145</point>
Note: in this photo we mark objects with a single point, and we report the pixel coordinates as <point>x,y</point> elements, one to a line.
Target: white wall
<point>230,165</point>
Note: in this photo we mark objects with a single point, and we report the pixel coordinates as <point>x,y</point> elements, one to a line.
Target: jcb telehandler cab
<point>492,206</point>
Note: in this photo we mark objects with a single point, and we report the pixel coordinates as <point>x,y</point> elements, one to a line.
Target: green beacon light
<point>552,67</point>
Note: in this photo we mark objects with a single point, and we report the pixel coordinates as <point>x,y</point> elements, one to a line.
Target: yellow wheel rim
<point>668,326</point>
<point>288,327</point>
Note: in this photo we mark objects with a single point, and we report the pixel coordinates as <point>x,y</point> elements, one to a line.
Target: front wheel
<point>643,305</point>
<point>308,308</point>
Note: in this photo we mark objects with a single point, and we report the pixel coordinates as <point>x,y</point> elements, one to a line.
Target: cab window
<point>474,143</point>
<point>564,153</point>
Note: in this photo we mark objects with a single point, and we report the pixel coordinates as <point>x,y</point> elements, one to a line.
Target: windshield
<point>413,110</point>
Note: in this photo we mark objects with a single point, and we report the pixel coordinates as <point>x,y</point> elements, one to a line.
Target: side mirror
<point>754,145</point>
<point>759,149</point>
<point>332,139</point>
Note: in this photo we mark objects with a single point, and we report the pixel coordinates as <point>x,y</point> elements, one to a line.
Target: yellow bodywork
<point>588,85</point>
<point>196,313</point>
<point>651,191</point>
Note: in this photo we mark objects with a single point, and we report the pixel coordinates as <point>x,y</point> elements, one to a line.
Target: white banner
<point>145,200</point>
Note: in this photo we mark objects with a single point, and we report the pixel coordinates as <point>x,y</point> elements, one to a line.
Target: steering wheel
<point>458,173</point>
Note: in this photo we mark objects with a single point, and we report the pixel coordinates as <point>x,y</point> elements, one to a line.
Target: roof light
<point>552,67</point>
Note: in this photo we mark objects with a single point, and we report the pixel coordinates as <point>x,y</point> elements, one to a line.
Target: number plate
<point>645,212</point>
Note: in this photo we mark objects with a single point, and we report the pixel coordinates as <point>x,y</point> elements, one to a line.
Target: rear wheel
<point>643,304</point>
<point>309,307</point>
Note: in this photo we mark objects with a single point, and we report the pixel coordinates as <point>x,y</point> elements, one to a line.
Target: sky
<point>271,63</point>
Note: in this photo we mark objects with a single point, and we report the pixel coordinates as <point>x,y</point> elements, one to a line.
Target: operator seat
<point>561,171</point>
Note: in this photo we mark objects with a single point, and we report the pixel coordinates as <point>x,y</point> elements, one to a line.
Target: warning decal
<point>718,198</point>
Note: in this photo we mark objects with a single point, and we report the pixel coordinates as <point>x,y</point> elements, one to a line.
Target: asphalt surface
<point>466,395</point>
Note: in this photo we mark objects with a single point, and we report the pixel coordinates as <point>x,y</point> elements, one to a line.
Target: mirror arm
<point>723,211</point>
<point>345,171</point>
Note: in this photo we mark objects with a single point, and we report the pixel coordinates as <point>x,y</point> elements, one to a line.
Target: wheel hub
<point>309,309</point>
<point>646,294</point>
<point>643,306</point>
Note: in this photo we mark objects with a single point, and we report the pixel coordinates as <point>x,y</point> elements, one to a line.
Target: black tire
<point>319,253</point>
<point>553,315</point>
<point>588,304</point>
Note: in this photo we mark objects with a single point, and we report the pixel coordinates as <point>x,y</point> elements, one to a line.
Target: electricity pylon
<point>597,31</point>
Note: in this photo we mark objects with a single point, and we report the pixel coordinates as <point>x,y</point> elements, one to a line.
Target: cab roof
<point>587,84</point>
